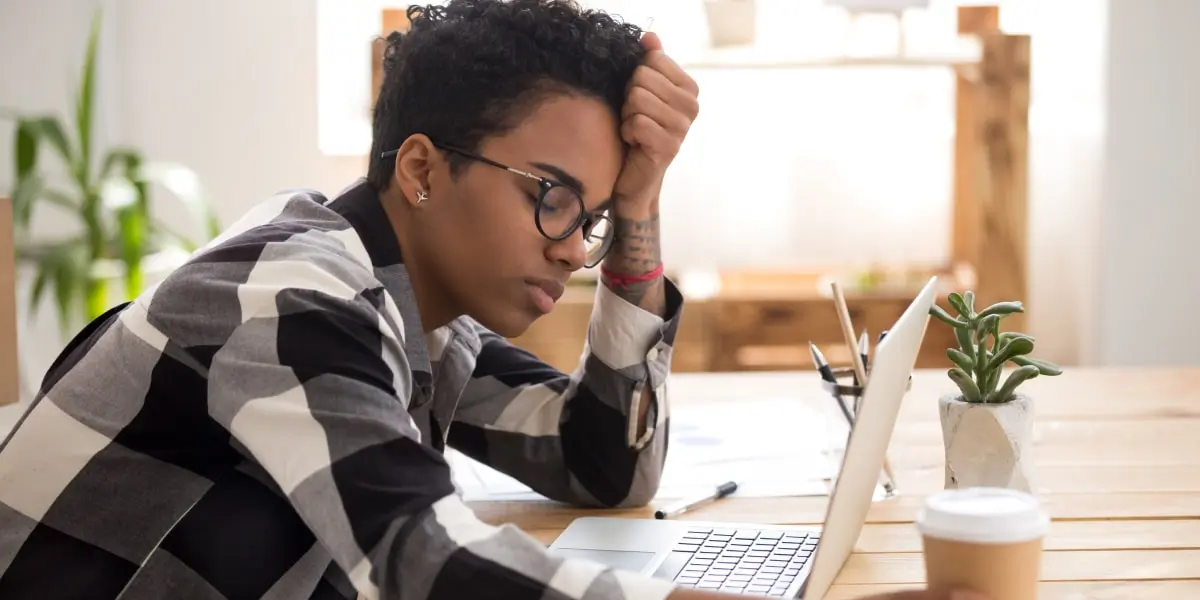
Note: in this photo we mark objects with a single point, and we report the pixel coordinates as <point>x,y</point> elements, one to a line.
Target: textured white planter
<point>730,22</point>
<point>988,444</point>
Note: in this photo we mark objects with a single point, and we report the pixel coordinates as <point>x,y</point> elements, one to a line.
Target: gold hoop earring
<point>421,196</point>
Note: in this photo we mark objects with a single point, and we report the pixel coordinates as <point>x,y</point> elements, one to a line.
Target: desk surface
<point>1117,455</point>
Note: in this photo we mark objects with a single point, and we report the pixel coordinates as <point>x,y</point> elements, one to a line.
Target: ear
<point>415,161</point>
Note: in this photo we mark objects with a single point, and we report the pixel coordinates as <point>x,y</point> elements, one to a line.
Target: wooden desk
<point>1118,467</point>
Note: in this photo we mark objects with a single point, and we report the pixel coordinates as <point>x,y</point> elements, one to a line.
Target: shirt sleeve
<point>574,437</point>
<point>313,385</point>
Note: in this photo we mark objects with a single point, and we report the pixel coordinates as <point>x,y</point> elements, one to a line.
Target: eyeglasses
<point>558,209</point>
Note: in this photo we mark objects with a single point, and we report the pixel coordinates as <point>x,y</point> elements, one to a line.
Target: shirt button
<point>652,355</point>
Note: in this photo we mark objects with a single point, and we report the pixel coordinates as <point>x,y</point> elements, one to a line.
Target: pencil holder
<point>850,389</point>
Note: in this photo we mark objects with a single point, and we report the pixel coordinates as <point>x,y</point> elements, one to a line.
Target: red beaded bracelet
<point>624,281</point>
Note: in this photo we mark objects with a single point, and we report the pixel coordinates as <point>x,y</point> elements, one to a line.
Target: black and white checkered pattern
<point>265,424</point>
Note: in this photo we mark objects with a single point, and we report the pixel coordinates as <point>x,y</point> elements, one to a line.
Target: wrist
<point>635,207</point>
<point>620,278</point>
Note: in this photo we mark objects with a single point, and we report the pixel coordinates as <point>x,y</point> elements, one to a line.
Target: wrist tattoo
<point>636,251</point>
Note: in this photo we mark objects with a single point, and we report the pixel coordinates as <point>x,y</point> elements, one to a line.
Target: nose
<point>570,252</point>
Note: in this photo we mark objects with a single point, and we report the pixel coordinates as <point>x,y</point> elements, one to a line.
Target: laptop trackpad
<point>618,559</point>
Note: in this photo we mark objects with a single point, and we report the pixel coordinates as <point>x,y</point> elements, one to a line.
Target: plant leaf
<point>24,197</point>
<point>1044,367</point>
<point>969,301</point>
<point>1016,347</point>
<point>174,238</point>
<point>964,341</point>
<point>39,286</point>
<point>961,359</point>
<point>125,159</point>
<point>1001,309</point>
<point>985,324</point>
<point>185,185</point>
<point>945,317</point>
<point>1016,378</point>
<point>25,149</point>
<point>956,302</point>
<point>132,234</point>
<point>52,131</point>
<point>970,391</point>
<point>1010,335</point>
<point>62,266</point>
<point>84,103</point>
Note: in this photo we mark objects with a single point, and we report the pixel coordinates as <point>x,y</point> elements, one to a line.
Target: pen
<point>882,334</point>
<point>683,506</point>
<point>827,375</point>
<point>820,363</point>
<point>864,348</point>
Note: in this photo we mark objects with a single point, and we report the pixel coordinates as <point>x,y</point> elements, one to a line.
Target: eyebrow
<point>562,176</point>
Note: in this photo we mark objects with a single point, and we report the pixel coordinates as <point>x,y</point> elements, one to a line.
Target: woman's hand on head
<point>660,105</point>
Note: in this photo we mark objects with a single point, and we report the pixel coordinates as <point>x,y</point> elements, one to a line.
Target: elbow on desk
<point>636,491</point>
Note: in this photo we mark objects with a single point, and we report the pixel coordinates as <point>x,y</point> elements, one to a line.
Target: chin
<point>510,324</point>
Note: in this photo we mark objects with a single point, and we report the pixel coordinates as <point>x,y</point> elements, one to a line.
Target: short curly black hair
<point>470,69</point>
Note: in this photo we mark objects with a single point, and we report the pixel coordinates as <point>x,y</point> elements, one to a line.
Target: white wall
<point>1148,278</point>
<point>230,88</point>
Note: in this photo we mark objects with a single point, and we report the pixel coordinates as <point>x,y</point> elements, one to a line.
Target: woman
<point>269,422</point>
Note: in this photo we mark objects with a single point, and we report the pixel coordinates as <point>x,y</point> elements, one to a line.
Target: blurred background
<point>1041,151</point>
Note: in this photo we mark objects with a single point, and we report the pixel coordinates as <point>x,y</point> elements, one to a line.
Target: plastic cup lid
<point>984,515</point>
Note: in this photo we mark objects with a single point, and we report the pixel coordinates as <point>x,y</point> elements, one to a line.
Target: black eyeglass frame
<point>586,219</point>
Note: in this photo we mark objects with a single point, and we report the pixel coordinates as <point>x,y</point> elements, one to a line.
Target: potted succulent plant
<point>987,426</point>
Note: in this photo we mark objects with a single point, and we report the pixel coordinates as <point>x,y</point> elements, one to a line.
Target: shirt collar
<point>361,207</point>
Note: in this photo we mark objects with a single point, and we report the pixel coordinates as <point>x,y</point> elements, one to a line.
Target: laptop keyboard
<point>743,561</point>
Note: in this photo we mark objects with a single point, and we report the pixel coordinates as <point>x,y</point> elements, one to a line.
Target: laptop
<point>763,559</point>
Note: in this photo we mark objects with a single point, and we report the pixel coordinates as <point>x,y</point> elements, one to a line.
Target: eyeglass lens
<point>561,210</point>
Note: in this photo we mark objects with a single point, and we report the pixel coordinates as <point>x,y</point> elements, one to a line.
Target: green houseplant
<point>107,193</point>
<point>987,426</point>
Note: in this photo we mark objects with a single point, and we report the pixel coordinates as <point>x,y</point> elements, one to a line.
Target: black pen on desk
<point>685,505</point>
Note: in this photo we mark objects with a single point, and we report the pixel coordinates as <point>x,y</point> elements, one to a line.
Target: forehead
<point>576,134</point>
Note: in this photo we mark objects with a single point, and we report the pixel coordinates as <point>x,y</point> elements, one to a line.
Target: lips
<point>544,293</point>
<point>552,288</point>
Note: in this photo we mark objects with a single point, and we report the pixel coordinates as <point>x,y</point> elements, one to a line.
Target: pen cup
<point>837,432</point>
<point>839,421</point>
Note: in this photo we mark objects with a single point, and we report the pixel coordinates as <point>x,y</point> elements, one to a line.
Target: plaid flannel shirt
<point>270,421</point>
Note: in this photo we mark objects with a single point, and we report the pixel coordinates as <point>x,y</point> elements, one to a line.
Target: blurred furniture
<point>9,384</point>
<point>763,320</point>
<point>1120,479</point>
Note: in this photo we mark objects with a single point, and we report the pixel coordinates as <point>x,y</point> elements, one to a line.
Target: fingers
<point>651,41</point>
<point>643,101</point>
<point>678,98</point>
<point>659,61</point>
<point>646,133</point>
<point>660,105</point>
